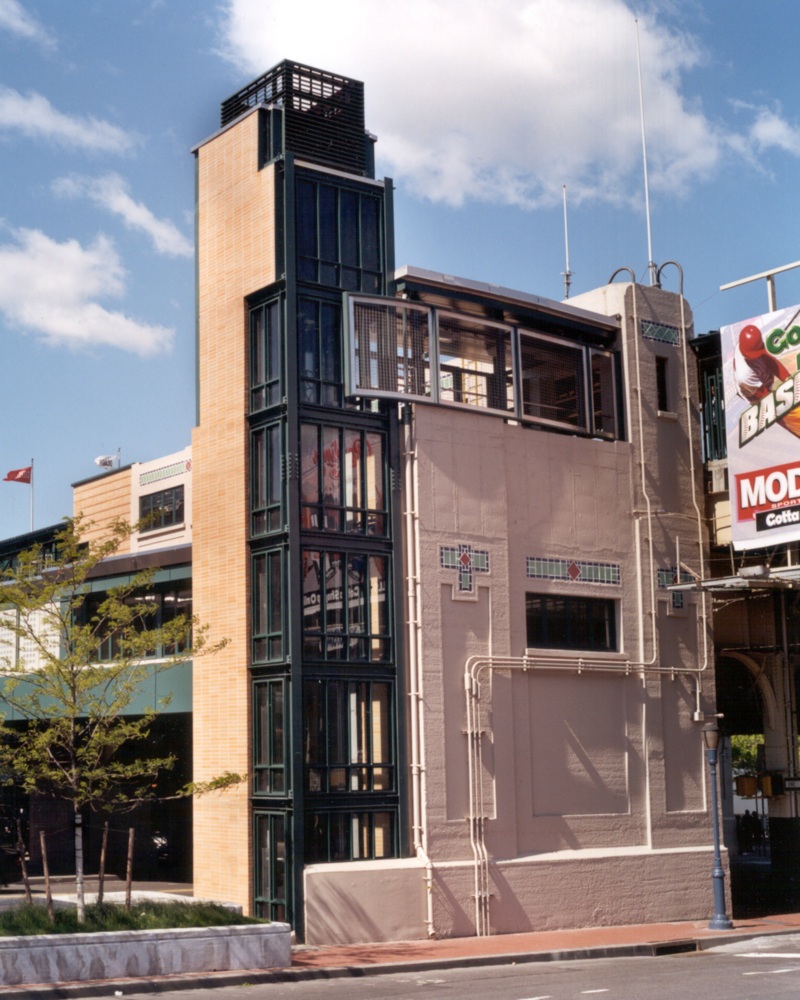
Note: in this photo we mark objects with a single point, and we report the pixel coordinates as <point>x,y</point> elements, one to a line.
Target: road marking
<point>771,972</point>
<point>548,997</point>
<point>771,954</point>
<point>585,992</point>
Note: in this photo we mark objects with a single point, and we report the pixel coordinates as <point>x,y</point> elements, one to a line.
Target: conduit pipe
<point>416,713</point>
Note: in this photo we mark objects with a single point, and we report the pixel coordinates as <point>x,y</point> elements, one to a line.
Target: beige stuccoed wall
<point>236,257</point>
<point>594,782</point>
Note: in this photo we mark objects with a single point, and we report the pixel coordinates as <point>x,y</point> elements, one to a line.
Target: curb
<point>298,974</point>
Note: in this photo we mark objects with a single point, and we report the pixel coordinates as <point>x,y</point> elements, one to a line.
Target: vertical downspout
<point>418,810</point>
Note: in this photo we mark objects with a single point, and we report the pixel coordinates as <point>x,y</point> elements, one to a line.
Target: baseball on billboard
<point>761,369</point>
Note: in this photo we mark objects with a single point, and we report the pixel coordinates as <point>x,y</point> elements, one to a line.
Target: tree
<point>74,661</point>
<point>744,753</point>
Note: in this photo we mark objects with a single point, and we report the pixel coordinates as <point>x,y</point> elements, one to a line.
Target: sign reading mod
<point>761,369</point>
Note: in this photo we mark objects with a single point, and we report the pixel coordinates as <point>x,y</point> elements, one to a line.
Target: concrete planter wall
<point>61,958</point>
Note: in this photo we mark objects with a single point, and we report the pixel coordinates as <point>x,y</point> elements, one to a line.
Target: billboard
<point>761,370</point>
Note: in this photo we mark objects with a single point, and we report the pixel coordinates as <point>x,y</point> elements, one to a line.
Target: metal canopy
<point>748,578</point>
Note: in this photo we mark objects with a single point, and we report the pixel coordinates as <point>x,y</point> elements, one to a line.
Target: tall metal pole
<point>651,267</point>
<point>720,920</point>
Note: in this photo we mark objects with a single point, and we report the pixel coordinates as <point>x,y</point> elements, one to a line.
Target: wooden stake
<point>129,871</point>
<point>23,866</point>
<point>102,873</point>
<point>47,889</point>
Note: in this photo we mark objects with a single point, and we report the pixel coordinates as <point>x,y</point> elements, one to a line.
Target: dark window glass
<point>604,405</point>
<point>342,480</point>
<point>662,383</point>
<point>265,356</point>
<point>164,509</point>
<point>339,236</point>
<point>160,605</point>
<point>348,739</point>
<point>345,606</point>
<point>350,836</point>
<point>266,480</point>
<point>320,352</point>
<point>272,867</point>
<point>561,622</point>
<point>270,738</point>
<point>553,384</point>
<point>268,606</point>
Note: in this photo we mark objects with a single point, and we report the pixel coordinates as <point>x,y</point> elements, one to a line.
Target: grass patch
<point>27,920</point>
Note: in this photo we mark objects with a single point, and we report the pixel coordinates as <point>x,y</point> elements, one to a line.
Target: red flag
<point>19,475</point>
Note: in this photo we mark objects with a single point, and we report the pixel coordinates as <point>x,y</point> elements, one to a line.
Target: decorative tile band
<point>467,561</point>
<point>660,332</point>
<point>572,570</point>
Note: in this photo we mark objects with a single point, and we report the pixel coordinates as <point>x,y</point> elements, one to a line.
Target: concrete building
<point>437,521</point>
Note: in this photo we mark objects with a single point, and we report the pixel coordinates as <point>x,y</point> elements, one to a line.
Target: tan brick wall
<point>235,258</point>
<point>101,501</point>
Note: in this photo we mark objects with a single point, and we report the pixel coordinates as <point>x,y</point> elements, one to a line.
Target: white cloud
<point>770,130</point>
<point>500,102</point>
<point>34,116</point>
<point>51,289</point>
<point>111,192</point>
<point>14,18</point>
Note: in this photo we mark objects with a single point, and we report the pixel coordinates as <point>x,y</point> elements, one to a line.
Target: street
<point>763,967</point>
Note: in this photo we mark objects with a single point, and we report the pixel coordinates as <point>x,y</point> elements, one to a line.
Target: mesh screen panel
<point>475,366</point>
<point>391,349</point>
<point>552,382</point>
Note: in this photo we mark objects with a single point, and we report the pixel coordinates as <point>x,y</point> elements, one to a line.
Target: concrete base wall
<point>59,958</point>
<point>546,892</point>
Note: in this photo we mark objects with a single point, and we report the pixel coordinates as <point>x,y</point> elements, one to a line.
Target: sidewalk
<point>333,961</point>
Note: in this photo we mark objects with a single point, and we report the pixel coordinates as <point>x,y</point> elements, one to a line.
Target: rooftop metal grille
<point>323,113</point>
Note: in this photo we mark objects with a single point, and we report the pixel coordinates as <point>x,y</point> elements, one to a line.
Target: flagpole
<point>31,494</point>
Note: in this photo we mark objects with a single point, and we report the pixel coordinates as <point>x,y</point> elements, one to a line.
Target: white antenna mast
<point>567,273</point>
<point>651,267</point>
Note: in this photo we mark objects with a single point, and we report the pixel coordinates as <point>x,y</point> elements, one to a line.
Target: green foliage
<point>72,702</point>
<point>744,753</point>
<point>28,920</point>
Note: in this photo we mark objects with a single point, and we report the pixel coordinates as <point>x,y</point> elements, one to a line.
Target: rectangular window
<point>400,350</point>
<point>350,836</point>
<point>475,366</point>
<point>161,604</point>
<point>267,625</point>
<point>266,386</point>
<point>345,606</point>
<point>270,755</point>
<point>266,485</point>
<point>164,509</point>
<point>339,236</point>
<point>662,384</point>
<point>348,737</point>
<point>566,622</point>
<point>320,351</point>
<point>272,866</point>
<point>553,381</point>
<point>343,480</point>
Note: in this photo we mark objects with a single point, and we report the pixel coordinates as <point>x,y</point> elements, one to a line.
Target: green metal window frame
<point>353,835</point>
<point>560,621</point>
<point>163,509</point>
<point>319,336</point>
<point>348,737</point>
<point>266,354</point>
<point>266,479</point>
<point>346,606</point>
<point>339,235</point>
<point>167,599</point>
<point>271,711</point>
<point>343,474</point>
<point>268,613</point>
<point>273,864</point>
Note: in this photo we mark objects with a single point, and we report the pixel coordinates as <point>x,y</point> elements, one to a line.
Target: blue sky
<point>483,111</point>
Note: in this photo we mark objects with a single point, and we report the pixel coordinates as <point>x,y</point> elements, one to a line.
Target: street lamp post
<point>720,921</point>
